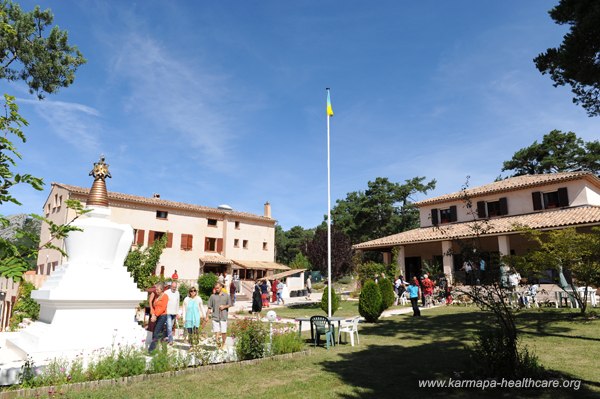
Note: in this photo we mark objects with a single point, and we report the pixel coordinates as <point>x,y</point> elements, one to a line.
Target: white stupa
<point>89,302</point>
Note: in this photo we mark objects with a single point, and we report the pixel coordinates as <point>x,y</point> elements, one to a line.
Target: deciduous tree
<point>341,252</point>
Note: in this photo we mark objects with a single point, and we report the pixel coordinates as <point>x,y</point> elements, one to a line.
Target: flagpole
<point>329,279</point>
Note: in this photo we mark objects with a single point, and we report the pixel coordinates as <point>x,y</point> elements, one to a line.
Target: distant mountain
<point>17,222</point>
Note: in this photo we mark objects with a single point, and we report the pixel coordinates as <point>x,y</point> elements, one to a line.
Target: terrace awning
<point>258,265</point>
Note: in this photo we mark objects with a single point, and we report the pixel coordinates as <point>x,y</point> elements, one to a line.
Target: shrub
<point>184,290</point>
<point>335,301</point>
<point>387,293</point>
<point>165,360</point>
<point>206,283</point>
<point>287,342</point>
<point>366,271</point>
<point>25,307</point>
<point>369,302</point>
<point>497,356</point>
<point>251,336</point>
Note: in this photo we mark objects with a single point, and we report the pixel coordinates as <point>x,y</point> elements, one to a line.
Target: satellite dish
<point>225,207</point>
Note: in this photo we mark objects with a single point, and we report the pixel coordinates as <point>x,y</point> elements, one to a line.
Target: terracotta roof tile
<point>215,258</point>
<point>567,217</point>
<point>511,184</point>
<point>158,202</point>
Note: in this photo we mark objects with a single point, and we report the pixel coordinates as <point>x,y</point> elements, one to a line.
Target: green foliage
<point>558,152</point>
<point>575,61</point>
<point>368,271</point>
<point>494,355</point>
<point>164,360</point>
<point>384,208</point>
<point>300,262</point>
<point>206,283</point>
<point>335,301</point>
<point>45,63</point>
<point>25,307</point>
<point>286,342</point>
<point>142,263</point>
<point>290,243</point>
<point>341,252</point>
<point>566,250</point>
<point>370,302</point>
<point>184,290</point>
<point>251,336</point>
<point>386,287</point>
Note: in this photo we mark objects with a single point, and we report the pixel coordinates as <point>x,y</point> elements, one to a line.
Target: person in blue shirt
<point>414,292</point>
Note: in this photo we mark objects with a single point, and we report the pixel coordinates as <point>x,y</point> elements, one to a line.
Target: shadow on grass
<point>430,347</point>
<point>543,323</point>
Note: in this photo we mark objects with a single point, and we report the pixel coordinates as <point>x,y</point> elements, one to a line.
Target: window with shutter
<point>210,244</point>
<point>536,196</point>
<point>563,197</point>
<point>186,242</point>
<point>139,239</point>
<point>503,206</point>
<point>445,216</point>
<point>453,214</point>
<point>169,240</point>
<point>481,213</point>
<point>150,237</point>
<point>434,217</point>
<point>219,245</point>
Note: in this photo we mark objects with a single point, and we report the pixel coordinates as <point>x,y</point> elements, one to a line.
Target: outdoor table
<point>568,296</point>
<point>332,319</point>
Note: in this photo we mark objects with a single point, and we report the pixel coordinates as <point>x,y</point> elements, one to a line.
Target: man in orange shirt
<point>159,315</point>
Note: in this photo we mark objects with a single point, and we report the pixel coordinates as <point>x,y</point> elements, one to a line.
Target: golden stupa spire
<point>98,194</point>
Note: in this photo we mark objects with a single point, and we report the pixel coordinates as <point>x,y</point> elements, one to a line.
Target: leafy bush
<point>369,302</point>
<point>387,293</point>
<point>183,289</point>
<point>164,360</point>
<point>335,301</point>
<point>346,280</point>
<point>125,362</point>
<point>206,283</point>
<point>367,271</point>
<point>26,307</point>
<point>251,336</point>
<point>287,342</point>
<point>496,356</point>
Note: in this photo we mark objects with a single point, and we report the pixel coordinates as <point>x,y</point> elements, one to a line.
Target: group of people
<point>261,297</point>
<point>423,289</point>
<point>164,311</point>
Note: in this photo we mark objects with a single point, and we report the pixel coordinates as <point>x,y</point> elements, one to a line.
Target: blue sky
<point>223,102</point>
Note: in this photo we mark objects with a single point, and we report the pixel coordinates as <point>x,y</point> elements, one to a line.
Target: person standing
<point>274,288</point>
<point>414,292</point>
<point>428,286</point>
<point>280,287</point>
<point>159,315</point>
<point>264,293</point>
<point>256,300</point>
<point>172,310</point>
<point>175,276</point>
<point>193,313</point>
<point>308,286</point>
<point>218,305</point>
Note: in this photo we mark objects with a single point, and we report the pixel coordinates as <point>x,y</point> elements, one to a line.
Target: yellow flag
<point>329,109</point>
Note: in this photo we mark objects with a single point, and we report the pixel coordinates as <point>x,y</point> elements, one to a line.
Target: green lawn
<point>393,354</point>
<point>346,309</point>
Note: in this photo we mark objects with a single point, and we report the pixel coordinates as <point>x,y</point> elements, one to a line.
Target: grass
<point>346,309</point>
<point>393,354</point>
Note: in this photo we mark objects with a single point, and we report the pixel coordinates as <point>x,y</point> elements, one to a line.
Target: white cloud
<point>75,123</point>
<point>177,96</point>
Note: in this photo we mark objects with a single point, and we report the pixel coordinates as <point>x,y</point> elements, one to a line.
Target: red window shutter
<point>140,238</point>
<point>219,245</point>
<point>189,241</point>
<point>206,244</point>
<point>169,240</point>
<point>150,237</point>
<point>184,242</point>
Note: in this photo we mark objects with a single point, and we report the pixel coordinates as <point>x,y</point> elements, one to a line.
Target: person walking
<point>308,286</point>
<point>172,310</point>
<point>414,292</point>
<point>280,287</point>
<point>218,305</point>
<point>256,300</point>
<point>193,314</point>
<point>159,315</point>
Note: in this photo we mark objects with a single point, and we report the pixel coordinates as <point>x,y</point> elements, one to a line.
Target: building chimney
<point>156,195</point>
<point>267,210</point>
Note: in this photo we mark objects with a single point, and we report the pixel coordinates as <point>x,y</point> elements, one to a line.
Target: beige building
<point>199,239</point>
<point>492,214</point>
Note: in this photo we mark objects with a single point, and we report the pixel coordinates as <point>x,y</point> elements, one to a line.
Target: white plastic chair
<point>403,298</point>
<point>350,328</point>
